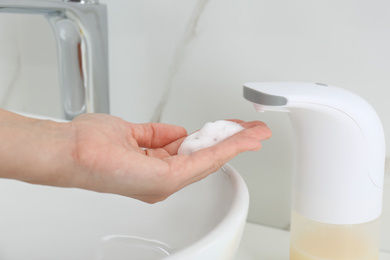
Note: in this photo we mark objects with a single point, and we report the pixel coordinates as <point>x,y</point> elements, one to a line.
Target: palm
<point>109,151</point>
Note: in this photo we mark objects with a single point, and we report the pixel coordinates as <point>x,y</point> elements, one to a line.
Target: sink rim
<point>235,218</point>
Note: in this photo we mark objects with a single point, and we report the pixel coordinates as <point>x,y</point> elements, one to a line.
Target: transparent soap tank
<point>311,240</point>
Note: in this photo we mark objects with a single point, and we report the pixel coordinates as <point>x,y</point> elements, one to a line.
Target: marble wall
<point>184,62</point>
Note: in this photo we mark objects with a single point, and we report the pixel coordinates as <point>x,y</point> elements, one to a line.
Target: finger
<point>157,153</point>
<point>235,120</point>
<point>205,161</point>
<point>155,135</point>
<point>247,124</point>
<point>173,147</point>
<point>252,124</point>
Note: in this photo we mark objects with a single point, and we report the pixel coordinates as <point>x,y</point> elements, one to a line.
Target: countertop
<point>261,242</point>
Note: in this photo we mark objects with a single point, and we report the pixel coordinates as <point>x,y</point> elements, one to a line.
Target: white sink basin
<point>203,221</point>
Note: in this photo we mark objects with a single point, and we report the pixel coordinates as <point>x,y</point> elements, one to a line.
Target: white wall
<point>184,62</point>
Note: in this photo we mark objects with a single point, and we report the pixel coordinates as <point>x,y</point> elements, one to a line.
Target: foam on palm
<point>210,134</point>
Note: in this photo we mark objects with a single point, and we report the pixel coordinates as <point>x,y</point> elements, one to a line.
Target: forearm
<point>35,151</point>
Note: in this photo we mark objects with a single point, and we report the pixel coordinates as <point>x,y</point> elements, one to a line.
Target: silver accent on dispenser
<point>80,28</point>
<point>262,98</point>
<point>83,1</point>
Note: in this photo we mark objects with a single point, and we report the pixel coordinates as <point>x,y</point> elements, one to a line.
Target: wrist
<point>35,151</point>
<point>54,164</point>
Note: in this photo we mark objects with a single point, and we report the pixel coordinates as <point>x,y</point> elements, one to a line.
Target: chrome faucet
<point>80,29</point>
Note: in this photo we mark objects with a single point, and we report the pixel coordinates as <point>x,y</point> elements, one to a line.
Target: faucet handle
<point>72,78</point>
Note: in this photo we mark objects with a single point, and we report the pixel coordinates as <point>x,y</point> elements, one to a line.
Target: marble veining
<point>188,35</point>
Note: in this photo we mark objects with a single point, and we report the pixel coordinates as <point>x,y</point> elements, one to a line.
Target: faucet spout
<point>80,29</point>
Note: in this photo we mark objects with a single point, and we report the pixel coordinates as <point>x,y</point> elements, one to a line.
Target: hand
<point>104,153</point>
<point>110,158</point>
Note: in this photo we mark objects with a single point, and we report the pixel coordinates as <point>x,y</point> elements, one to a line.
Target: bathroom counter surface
<point>261,242</point>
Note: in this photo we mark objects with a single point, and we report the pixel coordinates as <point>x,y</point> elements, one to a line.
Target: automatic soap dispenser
<point>339,169</point>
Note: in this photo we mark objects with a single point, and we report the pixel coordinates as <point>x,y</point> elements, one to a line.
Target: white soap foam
<point>210,134</point>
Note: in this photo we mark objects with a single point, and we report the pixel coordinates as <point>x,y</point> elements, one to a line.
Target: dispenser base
<point>311,240</point>
<point>263,242</point>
